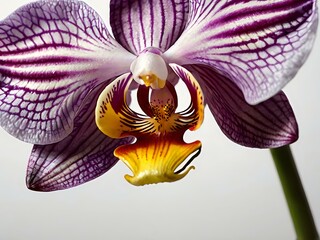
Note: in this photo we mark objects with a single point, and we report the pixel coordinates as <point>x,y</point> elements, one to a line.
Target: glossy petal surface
<point>82,156</point>
<point>51,54</point>
<point>260,45</point>
<point>148,23</point>
<point>266,125</point>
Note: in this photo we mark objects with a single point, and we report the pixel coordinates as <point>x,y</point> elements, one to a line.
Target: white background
<point>234,193</point>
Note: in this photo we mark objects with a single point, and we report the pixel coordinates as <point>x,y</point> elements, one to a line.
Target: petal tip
<point>33,186</point>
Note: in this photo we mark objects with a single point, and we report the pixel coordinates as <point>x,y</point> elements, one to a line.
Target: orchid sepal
<point>269,124</point>
<point>140,24</point>
<point>81,157</point>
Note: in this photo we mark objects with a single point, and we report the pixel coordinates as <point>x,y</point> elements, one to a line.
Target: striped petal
<point>148,23</point>
<point>266,125</point>
<point>51,54</point>
<point>82,156</point>
<point>260,45</point>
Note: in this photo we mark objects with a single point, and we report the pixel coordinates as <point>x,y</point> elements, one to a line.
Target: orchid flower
<point>65,82</point>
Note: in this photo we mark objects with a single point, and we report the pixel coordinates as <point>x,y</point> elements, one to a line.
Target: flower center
<point>159,153</point>
<point>163,103</point>
<point>150,69</point>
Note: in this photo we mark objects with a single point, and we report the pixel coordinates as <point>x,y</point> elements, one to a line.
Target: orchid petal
<point>260,44</point>
<point>266,125</point>
<point>51,54</point>
<point>141,24</point>
<point>82,156</point>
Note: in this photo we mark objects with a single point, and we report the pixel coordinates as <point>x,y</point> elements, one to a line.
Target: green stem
<point>293,190</point>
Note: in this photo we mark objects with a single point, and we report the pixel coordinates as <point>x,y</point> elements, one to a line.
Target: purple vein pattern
<point>82,156</point>
<point>140,24</point>
<point>260,45</point>
<point>51,55</point>
<point>56,57</point>
<point>265,125</point>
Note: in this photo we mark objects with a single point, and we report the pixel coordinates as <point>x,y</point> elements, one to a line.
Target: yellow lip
<point>156,159</point>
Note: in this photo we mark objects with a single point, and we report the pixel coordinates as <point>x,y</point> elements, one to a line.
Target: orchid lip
<point>159,153</point>
<point>165,156</point>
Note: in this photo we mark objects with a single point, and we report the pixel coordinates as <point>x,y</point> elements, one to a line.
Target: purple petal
<point>51,54</point>
<point>82,156</point>
<point>153,23</point>
<point>266,125</point>
<point>260,44</point>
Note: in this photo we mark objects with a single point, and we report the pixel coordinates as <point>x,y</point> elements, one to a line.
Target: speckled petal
<point>82,156</point>
<point>268,124</point>
<point>139,24</point>
<point>51,54</point>
<point>260,45</point>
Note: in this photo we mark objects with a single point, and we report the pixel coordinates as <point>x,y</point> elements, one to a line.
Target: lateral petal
<point>82,156</point>
<point>52,53</point>
<point>140,24</point>
<point>260,45</point>
<point>266,125</point>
